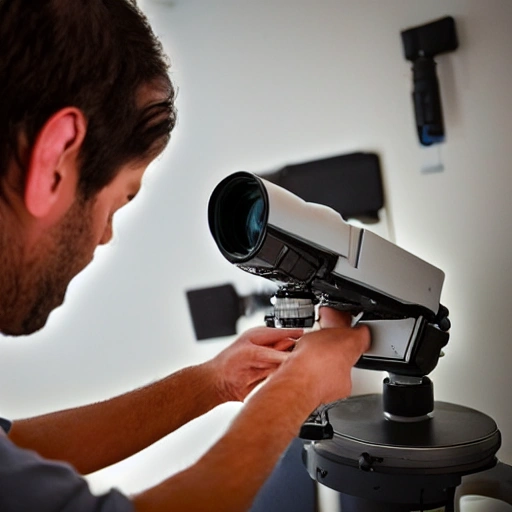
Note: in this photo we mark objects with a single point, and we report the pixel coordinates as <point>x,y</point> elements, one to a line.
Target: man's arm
<point>228,477</point>
<point>98,435</point>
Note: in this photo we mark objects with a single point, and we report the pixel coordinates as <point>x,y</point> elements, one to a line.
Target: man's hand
<point>251,359</point>
<point>324,358</point>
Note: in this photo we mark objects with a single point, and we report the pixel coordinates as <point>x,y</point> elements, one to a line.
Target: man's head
<point>85,105</point>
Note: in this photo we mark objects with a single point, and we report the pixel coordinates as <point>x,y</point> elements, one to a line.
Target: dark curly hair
<point>96,55</point>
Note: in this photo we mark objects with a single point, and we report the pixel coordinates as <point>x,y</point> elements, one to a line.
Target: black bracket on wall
<point>421,45</point>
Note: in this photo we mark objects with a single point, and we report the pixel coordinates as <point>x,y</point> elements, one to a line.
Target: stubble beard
<point>32,287</point>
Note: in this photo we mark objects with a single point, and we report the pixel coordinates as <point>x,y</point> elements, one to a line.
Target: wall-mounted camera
<point>421,44</point>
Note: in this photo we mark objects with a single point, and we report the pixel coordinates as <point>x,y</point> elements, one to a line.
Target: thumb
<point>330,317</point>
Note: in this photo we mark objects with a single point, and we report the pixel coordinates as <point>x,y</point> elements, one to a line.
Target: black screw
<point>366,461</point>
<point>321,473</point>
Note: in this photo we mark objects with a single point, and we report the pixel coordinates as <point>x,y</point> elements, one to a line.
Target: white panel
<point>314,223</point>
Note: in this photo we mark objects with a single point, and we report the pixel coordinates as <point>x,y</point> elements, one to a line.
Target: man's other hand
<point>254,356</point>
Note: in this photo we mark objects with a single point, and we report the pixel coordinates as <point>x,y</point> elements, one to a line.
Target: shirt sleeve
<point>5,425</point>
<point>30,483</point>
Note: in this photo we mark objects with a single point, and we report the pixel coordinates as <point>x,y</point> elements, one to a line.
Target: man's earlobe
<point>52,174</point>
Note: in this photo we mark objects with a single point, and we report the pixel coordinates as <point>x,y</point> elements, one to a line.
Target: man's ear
<point>52,174</point>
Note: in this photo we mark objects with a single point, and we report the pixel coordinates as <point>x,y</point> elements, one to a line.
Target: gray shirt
<point>30,483</point>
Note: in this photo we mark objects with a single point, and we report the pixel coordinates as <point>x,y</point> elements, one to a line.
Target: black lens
<point>238,215</point>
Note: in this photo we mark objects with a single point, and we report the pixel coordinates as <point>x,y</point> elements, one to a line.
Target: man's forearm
<point>97,435</point>
<point>228,477</point>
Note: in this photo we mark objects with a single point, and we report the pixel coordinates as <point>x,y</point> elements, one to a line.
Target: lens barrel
<point>237,215</point>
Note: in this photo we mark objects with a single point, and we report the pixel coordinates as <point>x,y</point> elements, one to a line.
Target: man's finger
<point>285,344</point>
<point>269,336</point>
<point>330,317</point>
<point>366,336</point>
<point>266,356</point>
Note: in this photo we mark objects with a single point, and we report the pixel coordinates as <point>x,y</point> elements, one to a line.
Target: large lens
<point>238,215</point>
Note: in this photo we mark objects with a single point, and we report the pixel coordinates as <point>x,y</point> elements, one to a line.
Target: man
<point>85,105</point>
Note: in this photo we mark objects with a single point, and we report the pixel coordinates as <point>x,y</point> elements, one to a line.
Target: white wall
<point>262,84</point>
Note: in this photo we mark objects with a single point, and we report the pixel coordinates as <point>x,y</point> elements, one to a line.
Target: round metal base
<point>377,459</point>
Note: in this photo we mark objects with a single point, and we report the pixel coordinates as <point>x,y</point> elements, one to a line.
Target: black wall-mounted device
<point>421,44</point>
<point>351,184</point>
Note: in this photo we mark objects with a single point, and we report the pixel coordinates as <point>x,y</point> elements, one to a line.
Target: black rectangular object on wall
<point>350,184</point>
<point>214,311</point>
